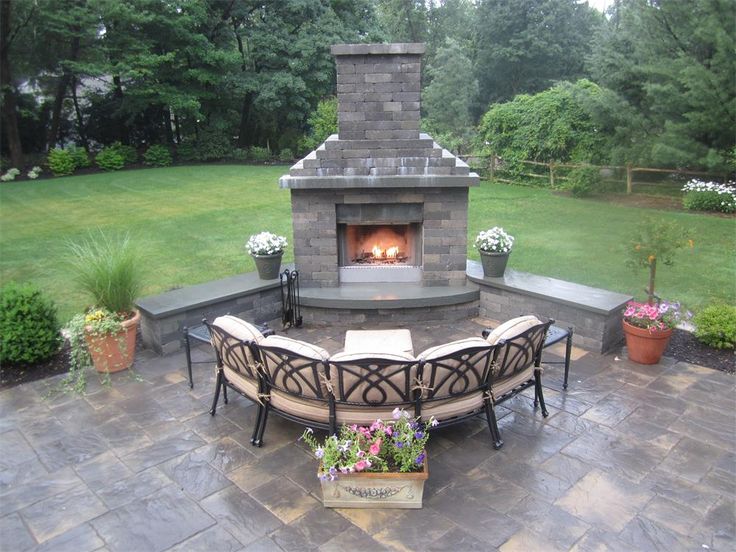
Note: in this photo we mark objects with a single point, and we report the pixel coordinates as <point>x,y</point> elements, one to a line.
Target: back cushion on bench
<point>228,335</point>
<point>455,368</point>
<point>512,328</point>
<point>373,378</point>
<point>295,366</point>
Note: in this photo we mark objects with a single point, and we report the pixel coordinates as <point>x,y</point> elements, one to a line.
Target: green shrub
<point>29,329</point>
<point>157,156</point>
<point>709,196</point>
<point>584,181</point>
<point>240,154</point>
<point>108,269</point>
<point>110,159</point>
<point>286,155</point>
<point>128,153</point>
<point>322,123</point>
<point>716,326</point>
<point>256,153</point>
<point>61,162</point>
<point>185,152</point>
<point>80,156</point>
<point>213,146</point>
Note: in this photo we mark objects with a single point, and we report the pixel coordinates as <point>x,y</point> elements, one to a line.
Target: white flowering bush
<point>709,196</point>
<point>495,240</point>
<point>265,243</point>
<point>34,172</point>
<point>10,175</point>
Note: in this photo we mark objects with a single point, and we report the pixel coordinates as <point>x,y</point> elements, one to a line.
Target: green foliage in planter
<point>583,181</point>
<point>256,153</point>
<point>716,326</point>
<point>157,156</point>
<point>61,162</point>
<point>29,329</point>
<point>80,156</point>
<point>128,153</point>
<point>286,155</point>
<point>108,269</point>
<point>109,159</point>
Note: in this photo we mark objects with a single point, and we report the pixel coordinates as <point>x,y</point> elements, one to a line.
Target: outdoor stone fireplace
<point>379,201</point>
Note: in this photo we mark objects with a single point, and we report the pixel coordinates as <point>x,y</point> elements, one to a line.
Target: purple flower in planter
<point>320,452</point>
<point>419,435</point>
<point>420,459</point>
<point>399,444</point>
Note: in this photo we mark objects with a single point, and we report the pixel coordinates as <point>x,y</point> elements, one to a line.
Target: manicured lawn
<point>192,224</point>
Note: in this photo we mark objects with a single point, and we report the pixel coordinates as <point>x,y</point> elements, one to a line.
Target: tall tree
<point>524,46</point>
<point>403,20</point>
<point>12,24</point>
<point>449,96</point>
<point>673,65</point>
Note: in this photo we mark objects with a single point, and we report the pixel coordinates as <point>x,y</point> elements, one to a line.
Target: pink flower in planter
<point>375,448</point>
<point>360,465</point>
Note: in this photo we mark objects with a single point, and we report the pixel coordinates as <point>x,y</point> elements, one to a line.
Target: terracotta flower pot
<point>114,352</point>
<point>375,490</point>
<point>645,347</point>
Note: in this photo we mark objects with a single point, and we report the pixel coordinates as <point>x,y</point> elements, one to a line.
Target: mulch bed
<point>15,374</point>
<point>685,347</point>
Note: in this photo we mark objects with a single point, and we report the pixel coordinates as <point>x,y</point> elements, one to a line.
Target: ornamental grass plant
<point>108,269</point>
<point>397,445</point>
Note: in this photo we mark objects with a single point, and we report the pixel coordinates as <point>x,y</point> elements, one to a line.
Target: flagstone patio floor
<point>630,458</point>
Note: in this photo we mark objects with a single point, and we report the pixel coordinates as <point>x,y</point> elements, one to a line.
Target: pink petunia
<point>359,465</point>
<point>375,448</point>
<point>630,311</point>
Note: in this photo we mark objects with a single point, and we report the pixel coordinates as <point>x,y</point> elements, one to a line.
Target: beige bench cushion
<point>452,348</point>
<point>512,328</point>
<point>357,365</point>
<point>501,387</point>
<point>238,328</point>
<point>246,385</point>
<point>450,408</point>
<point>300,379</point>
<point>233,353</point>
<point>319,412</point>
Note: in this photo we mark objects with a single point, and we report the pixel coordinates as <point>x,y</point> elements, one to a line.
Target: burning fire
<point>391,253</point>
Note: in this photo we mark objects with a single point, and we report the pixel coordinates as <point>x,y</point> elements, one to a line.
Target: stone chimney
<point>378,89</point>
<point>378,104</point>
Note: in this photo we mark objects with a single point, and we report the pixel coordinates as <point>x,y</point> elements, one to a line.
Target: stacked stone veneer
<point>379,156</point>
<point>445,231</point>
<point>378,93</point>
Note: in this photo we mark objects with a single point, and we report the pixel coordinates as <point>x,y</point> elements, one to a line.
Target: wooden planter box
<point>375,490</point>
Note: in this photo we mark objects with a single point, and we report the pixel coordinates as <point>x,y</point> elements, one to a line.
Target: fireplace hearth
<point>379,202</point>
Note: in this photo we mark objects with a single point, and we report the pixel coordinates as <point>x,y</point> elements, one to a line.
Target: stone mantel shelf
<point>396,181</point>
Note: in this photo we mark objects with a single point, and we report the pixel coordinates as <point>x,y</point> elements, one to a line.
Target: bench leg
<point>257,424</point>
<point>219,383</point>
<point>538,392</point>
<point>224,392</point>
<point>188,350</point>
<point>568,353</point>
<point>259,438</point>
<point>493,427</point>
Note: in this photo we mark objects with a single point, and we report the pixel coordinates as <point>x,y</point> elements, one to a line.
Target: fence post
<point>551,175</point>
<point>629,179</point>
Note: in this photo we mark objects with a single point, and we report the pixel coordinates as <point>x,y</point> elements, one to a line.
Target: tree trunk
<point>245,134</point>
<point>64,81</point>
<point>118,93</point>
<point>652,274</point>
<point>9,104</point>
<point>178,130</point>
<point>167,126</point>
<point>80,119</point>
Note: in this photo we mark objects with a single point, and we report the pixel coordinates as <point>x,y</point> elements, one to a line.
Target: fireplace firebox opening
<point>369,245</point>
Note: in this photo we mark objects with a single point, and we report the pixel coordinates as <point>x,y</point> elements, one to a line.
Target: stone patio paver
<point>631,458</point>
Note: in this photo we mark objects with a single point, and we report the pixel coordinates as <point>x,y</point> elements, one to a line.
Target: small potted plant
<point>383,465</point>
<point>108,270</point>
<point>648,326</point>
<point>494,246</point>
<point>648,329</point>
<point>267,249</point>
